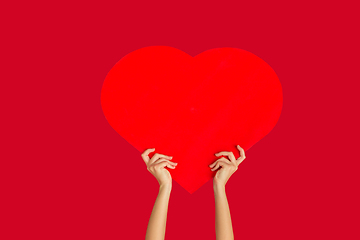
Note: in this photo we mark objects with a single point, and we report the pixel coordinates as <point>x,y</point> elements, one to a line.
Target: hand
<point>227,167</point>
<point>156,165</point>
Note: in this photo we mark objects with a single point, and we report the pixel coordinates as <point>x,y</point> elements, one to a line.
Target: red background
<point>66,174</point>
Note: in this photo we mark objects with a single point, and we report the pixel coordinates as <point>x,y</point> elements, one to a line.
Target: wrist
<point>165,186</point>
<point>218,185</point>
<point>219,191</point>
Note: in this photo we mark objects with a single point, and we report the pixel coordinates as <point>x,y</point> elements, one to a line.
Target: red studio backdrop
<point>208,103</point>
<point>197,77</point>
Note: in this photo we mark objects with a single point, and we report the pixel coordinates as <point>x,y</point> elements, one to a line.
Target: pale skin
<point>225,167</point>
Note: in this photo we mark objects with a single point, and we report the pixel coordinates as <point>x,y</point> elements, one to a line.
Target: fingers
<point>229,154</point>
<point>242,155</point>
<point>157,156</point>
<point>164,160</point>
<point>170,166</point>
<point>219,163</point>
<point>213,164</point>
<point>145,154</point>
<point>165,164</point>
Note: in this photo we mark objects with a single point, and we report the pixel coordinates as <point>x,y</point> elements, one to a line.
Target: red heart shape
<point>191,107</point>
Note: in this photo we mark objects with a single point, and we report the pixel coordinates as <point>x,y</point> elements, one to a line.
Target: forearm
<point>157,222</point>
<point>223,224</point>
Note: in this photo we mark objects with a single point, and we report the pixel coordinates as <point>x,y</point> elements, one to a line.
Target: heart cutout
<point>191,107</point>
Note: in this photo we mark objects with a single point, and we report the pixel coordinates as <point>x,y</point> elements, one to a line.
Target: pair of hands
<point>156,166</point>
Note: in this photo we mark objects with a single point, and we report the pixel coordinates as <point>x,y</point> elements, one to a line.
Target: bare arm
<point>223,224</point>
<point>157,222</point>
